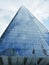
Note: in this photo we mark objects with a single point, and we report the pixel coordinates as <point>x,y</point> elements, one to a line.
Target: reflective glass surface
<point>25,36</point>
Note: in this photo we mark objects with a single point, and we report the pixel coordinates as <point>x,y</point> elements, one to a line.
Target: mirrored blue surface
<point>25,36</point>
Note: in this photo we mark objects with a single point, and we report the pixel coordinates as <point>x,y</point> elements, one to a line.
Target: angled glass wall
<point>25,35</point>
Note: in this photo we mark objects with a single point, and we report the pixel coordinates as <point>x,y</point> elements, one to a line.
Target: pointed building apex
<point>23,8</point>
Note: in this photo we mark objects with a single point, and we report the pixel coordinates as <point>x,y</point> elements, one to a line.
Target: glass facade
<point>26,36</point>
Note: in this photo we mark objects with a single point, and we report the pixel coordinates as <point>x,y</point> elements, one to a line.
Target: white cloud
<point>8,8</point>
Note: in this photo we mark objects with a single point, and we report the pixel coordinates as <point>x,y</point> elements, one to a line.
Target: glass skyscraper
<point>25,36</point>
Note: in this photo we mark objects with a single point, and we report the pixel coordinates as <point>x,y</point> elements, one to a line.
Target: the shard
<point>25,36</point>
